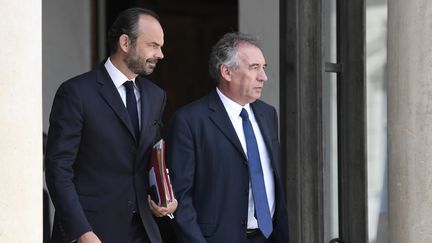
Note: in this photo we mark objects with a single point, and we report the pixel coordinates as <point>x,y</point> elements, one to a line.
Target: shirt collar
<point>117,77</point>
<point>233,109</point>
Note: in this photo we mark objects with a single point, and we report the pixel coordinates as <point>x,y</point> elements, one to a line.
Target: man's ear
<point>124,43</point>
<point>225,72</point>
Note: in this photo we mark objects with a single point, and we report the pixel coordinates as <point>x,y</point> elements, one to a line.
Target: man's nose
<point>160,54</point>
<point>262,76</point>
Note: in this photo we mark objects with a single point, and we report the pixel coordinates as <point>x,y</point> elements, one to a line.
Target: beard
<point>139,65</point>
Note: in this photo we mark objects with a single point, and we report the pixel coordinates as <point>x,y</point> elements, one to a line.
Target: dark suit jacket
<point>95,168</point>
<point>210,174</point>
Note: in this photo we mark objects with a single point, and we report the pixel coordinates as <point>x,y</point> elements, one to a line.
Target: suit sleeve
<point>181,158</point>
<point>64,135</point>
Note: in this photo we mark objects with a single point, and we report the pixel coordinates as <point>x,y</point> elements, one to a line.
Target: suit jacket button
<point>246,192</point>
<point>131,204</point>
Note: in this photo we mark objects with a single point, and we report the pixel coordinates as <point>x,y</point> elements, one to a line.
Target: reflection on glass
<point>329,113</point>
<point>329,31</point>
<point>376,35</point>
<point>330,152</point>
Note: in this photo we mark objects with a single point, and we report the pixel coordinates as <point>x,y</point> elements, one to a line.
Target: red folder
<point>159,180</point>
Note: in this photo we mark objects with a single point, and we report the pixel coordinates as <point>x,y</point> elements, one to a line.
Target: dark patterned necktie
<point>131,105</point>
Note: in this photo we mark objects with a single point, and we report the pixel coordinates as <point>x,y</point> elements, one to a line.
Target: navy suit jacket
<point>210,174</point>
<point>96,170</point>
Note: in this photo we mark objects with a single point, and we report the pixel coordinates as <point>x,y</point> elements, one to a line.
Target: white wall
<point>66,45</point>
<point>261,18</point>
<point>21,122</point>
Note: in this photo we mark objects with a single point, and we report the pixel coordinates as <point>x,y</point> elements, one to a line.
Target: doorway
<point>191,28</point>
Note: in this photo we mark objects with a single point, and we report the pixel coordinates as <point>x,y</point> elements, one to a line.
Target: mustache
<point>152,60</point>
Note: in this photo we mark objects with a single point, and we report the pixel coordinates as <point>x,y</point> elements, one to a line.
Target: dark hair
<point>225,52</point>
<point>126,23</point>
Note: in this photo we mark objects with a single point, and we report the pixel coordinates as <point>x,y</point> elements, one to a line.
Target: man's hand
<point>89,237</point>
<point>162,211</point>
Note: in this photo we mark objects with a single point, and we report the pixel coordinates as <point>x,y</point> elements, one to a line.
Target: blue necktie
<point>256,177</point>
<point>131,106</point>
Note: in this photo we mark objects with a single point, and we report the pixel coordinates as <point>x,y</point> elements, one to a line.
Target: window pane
<point>376,30</point>
<point>330,152</point>
<point>329,31</point>
<point>329,113</point>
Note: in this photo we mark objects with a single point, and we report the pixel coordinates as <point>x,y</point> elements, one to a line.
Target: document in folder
<point>160,183</point>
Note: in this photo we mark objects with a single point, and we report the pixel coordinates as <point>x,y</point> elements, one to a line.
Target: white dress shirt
<point>233,109</point>
<point>119,78</point>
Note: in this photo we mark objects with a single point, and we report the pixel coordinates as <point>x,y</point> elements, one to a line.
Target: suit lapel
<point>111,96</point>
<point>265,131</point>
<point>145,105</point>
<point>264,127</point>
<point>220,118</point>
<point>148,114</point>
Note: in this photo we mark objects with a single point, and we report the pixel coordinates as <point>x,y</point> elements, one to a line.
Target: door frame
<point>301,78</point>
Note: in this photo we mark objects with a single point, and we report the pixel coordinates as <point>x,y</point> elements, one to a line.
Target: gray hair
<point>225,52</point>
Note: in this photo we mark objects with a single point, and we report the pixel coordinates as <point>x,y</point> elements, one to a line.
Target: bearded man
<point>103,124</point>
